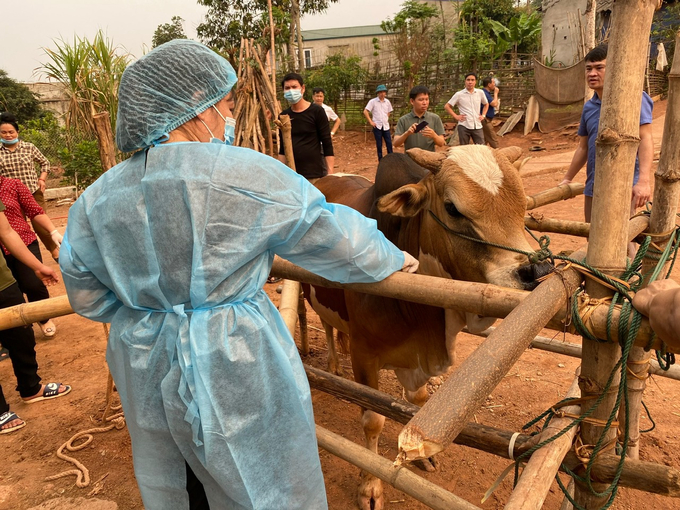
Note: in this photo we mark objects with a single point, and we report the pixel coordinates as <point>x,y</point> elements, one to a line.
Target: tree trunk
<point>616,149</point>
<point>298,29</point>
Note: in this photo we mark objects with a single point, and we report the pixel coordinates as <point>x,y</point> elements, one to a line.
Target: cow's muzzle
<point>530,275</point>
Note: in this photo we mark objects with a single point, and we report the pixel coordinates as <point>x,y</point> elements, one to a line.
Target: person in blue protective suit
<point>173,247</point>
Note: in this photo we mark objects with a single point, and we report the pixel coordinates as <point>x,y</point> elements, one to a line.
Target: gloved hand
<point>410,263</point>
<point>56,237</point>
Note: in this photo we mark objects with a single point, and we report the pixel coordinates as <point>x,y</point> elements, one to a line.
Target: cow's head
<point>475,191</point>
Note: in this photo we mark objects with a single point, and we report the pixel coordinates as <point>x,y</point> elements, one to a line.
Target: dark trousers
<point>464,135</point>
<point>197,498</point>
<point>379,134</point>
<point>20,343</point>
<point>29,283</point>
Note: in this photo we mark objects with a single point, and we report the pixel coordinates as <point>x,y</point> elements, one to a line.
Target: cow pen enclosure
<point>449,416</point>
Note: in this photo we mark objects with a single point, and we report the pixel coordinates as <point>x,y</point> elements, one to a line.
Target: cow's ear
<point>430,160</point>
<point>512,153</point>
<point>407,201</point>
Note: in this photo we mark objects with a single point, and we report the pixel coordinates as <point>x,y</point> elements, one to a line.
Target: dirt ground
<point>76,356</point>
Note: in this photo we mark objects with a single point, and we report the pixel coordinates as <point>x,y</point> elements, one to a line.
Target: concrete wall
<point>348,46</point>
<point>560,34</point>
<point>52,96</point>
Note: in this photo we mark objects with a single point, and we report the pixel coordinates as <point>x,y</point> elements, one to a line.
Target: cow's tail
<point>343,342</point>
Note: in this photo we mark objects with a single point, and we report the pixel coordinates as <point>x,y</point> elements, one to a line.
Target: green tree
<point>168,31</point>
<point>411,36</point>
<point>338,74</point>
<point>523,32</point>
<point>228,21</point>
<point>16,97</point>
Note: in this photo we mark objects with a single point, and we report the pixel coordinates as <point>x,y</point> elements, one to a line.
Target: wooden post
<point>397,476</point>
<point>616,149</point>
<point>644,476</point>
<point>662,219</point>
<point>539,473</point>
<point>107,149</point>
<point>450,408</point>
<point>283,122</point>
<point>549,196</point>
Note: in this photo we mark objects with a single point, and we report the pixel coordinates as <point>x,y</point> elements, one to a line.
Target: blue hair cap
<point>167,87</point>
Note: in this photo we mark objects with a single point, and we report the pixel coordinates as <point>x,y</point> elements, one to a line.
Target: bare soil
<point>76,356</point>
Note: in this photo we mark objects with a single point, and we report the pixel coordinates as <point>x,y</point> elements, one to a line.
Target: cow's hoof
<point>429,464</point>
<point>370,495</point>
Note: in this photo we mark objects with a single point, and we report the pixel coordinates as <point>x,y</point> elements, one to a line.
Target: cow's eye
<point>451,209</point>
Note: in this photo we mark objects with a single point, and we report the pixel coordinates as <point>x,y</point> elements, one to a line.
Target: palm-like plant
<point>90,73</point>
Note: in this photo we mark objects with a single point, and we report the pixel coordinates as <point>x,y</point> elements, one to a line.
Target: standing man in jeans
<point>469,102</point>
<point>491,92</point>
<point>380,109</point>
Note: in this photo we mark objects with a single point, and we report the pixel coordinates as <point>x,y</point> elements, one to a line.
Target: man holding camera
<point>419,128</point>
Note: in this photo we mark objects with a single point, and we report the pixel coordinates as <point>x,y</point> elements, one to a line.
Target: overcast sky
<point>131,24</point>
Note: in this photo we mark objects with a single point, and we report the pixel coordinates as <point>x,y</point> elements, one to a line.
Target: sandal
<point>8,417</point>
<point>4,354</point>
<point>49,392</point>
<point>49,329</point>
<point>274,279</point>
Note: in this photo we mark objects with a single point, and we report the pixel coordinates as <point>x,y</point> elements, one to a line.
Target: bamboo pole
<point>450,408</point>
<point>542,171</point>
<point>573,350</point>
<point>616,149</point>
<point>397,476</point>
<point>644,476</point>
<point>288,306</point>
<point>551,195</point>
<point>541,224</point>
<point>107,149</point>
<point>273,47</point>
<point>539,473</point>
<point>663,219</point>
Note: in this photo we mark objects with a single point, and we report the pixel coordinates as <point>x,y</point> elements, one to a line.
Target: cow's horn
<point>512,153</point>
<point>430,160</point>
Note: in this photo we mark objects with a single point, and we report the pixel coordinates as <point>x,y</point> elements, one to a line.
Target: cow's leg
<point>370,496</point>
<point>333,363</point>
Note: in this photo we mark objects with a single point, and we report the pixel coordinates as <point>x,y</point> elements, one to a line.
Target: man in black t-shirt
<point>310,132</point>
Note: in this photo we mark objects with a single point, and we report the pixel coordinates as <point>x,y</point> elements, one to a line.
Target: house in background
<point>368,42</point>
<point>361,41</point>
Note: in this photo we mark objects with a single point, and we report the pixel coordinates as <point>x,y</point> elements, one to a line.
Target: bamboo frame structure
<point>556,194</point>
<point>397,476</point>
<point>644,476</point>
<point>616,149</point>
<point>539,223</point>
<point>662,219</point>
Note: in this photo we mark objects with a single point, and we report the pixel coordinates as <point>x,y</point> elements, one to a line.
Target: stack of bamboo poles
<point>256,102</point>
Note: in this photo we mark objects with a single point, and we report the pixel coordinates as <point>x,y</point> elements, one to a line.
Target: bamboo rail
<point>539,473</point>
<point>541,224</point>
<point>397,476</point>
<point>573,350</point>
<point>551,195</point>
<point>616,149</point>
<point>644,476</point>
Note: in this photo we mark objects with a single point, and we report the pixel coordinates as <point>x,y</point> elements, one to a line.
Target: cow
<point>421,202</point>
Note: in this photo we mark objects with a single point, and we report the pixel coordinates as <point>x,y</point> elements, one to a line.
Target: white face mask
<point>293,96</point>
<point>229,129</point>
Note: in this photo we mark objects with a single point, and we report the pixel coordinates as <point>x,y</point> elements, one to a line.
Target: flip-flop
<point>49,329</point>
<point>8,417</point>
<point>51,391</point>
<point>4,354</point>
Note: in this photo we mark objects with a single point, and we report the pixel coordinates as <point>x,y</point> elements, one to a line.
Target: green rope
<point>627,332</point>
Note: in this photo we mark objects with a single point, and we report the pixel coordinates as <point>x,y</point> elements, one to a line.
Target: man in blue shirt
<point>596,61</point>
<point>491,93</point>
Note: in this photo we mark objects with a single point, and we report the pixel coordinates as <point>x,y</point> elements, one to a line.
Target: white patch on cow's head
<point>479,164</point>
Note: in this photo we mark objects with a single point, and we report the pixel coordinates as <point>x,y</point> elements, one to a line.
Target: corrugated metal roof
<point>341,33</point>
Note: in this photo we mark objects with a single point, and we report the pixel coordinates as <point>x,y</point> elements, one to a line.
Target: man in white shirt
<point>319,94</point>
<point>469,102</point>
<point>380,109</point>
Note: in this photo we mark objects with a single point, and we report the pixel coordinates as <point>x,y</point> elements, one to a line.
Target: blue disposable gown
<point>172,247</point>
